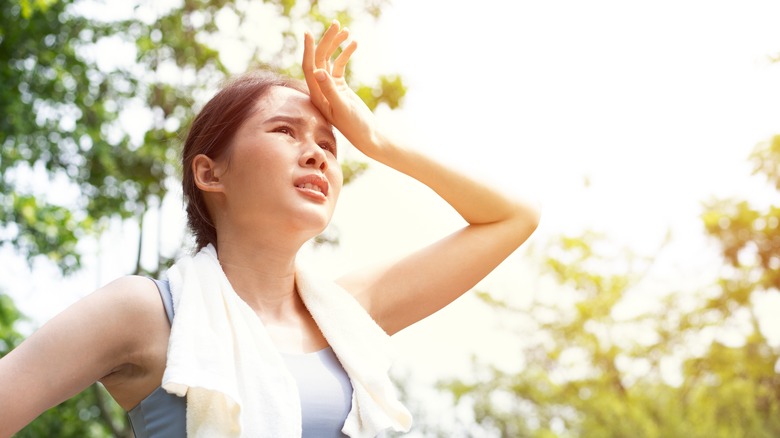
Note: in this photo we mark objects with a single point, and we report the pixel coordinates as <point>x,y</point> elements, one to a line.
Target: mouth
<point>313,183</point>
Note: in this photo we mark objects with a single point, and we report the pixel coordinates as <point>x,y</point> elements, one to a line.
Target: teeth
<point>309,186</point>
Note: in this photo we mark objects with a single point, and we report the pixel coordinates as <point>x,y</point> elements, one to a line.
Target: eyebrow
<point>299,121</point>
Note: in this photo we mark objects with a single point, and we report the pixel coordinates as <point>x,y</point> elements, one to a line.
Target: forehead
<point>284,101</point>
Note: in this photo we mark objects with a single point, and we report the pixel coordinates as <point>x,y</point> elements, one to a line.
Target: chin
<point>312,225</point>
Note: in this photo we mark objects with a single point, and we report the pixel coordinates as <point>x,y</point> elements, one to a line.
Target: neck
<point>263,275</point>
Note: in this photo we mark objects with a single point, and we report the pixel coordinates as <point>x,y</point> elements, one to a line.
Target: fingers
<point>328,91</point>
<point>307,63</point>
<point>333,37</point>
<point>318,71</point>
<point>340,64</point>
<point>315,93</point>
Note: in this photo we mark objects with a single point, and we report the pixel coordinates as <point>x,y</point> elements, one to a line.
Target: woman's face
<point>281,169</point>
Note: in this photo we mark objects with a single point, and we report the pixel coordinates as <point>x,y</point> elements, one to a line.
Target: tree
<point>65,106</point>
<point>695,364</point>
<point>70,162</point>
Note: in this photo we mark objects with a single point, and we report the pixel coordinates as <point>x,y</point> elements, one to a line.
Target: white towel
<point>237,385</point>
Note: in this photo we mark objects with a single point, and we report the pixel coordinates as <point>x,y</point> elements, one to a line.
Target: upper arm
<point>402,292</point>
<point>76,348</point>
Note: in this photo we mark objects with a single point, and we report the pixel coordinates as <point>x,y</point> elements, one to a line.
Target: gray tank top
<point>323,385</point>
<point>160,414</point>
<point>325,391</point>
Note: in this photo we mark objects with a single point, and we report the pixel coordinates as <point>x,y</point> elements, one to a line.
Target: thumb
<point>325,81</point>
<point>320,75</point>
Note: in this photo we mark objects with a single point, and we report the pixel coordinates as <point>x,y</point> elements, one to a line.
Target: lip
<point>315,180</point>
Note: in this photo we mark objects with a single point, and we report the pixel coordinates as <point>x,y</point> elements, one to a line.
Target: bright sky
<point>656,104</point>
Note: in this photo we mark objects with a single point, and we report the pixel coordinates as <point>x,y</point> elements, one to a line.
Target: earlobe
<point>204,169</point>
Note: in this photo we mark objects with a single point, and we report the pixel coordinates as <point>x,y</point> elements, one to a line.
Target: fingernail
<point>319,75</point>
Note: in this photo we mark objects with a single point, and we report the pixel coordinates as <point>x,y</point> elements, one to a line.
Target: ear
<point>206,173</point>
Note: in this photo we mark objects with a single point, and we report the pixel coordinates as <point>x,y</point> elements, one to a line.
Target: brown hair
<point>212,133</point>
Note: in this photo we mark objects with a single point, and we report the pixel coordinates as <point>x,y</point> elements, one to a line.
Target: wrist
<point>374,145</point>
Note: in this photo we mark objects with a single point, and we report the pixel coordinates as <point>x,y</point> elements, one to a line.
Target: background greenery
<point>593,371</point>
<point>62,108</point>
<point>695,364</point>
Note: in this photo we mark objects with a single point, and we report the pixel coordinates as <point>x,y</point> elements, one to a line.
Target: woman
<point>261,178</point>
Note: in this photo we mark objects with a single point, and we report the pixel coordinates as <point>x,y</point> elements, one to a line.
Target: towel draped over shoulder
<point>236,383</point>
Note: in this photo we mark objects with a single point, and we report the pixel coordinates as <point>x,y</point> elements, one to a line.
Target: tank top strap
<point>165,293</point>
<point>160,414</point>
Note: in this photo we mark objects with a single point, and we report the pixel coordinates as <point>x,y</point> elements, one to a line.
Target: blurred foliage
<point>93,111</point>
<point>690,364</point>
<point>104,129</point>
<point>90,414</point>
<point>9,316</point>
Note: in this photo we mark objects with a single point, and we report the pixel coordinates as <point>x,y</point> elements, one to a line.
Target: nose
<point>313,156</point>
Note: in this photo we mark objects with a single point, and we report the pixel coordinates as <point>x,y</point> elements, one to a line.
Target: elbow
<point>526,220</point>
<point>535,215</point>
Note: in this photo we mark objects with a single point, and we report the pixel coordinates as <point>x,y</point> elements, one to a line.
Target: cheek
<point>255,161</point>
<point>336,179</point>
<point>336,189</point>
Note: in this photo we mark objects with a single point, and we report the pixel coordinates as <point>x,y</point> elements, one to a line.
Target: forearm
<point>477,202</point>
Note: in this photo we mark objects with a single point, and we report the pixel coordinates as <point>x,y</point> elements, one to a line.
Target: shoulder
<point>125,302</point>
<point>119,318</point>
<point>124,299</point>
<point>139,331</point>
<point>131,293</point>
<point>122,325</point>
<point>135,305</point>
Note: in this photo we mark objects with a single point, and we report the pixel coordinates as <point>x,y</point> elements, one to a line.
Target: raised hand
<point>406,290</point>
<point>330,93</point>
